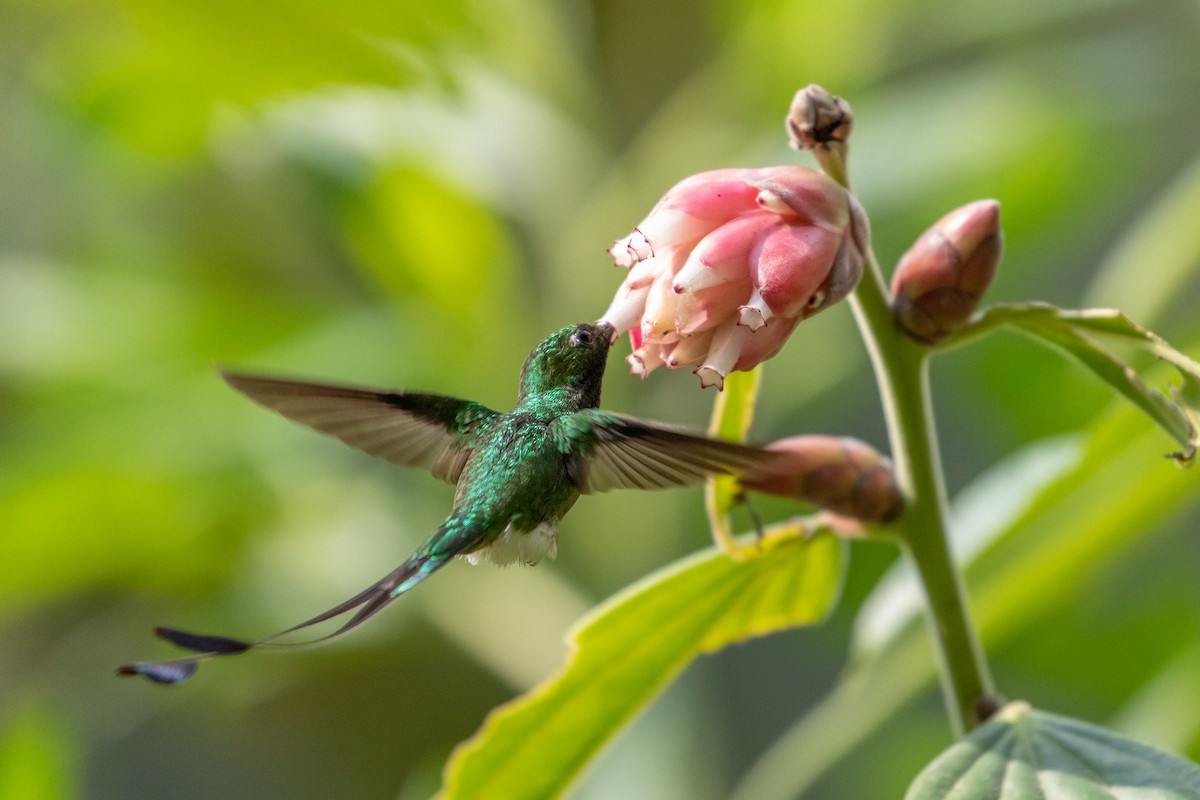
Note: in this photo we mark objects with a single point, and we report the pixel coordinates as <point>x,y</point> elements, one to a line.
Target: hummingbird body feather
<point>517,473</point>
<point>513,491</point>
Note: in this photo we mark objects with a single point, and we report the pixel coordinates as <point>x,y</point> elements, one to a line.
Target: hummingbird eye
<point>581,338</point>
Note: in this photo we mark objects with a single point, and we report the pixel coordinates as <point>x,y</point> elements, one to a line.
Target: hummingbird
<point>516,473</point>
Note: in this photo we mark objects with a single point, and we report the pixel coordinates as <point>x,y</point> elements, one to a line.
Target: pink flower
<point>729,262</point>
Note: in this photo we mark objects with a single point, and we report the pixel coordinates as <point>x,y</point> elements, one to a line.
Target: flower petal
<point>765,342</point>
<point>644,360</point>
<point>755,313</point>
<point>690,349</point>
<point>705,309</point>
<point>790,263</point>
<point>814,197</point>
<point>630,250</point>
<point>690,210</point>
<point>658,319</point>
<point>723,354</point>
<point>716,195</point>
<point>724,254</point>
<point>626,308</point>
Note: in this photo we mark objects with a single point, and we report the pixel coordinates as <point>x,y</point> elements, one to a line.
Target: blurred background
<point>412,194</point>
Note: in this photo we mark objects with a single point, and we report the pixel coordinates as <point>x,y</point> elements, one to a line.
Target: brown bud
<point>817,118</point>
<point>838,473</point>
<point>939,281</point>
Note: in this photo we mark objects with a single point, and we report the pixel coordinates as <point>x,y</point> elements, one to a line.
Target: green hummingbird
<point>517,472</point>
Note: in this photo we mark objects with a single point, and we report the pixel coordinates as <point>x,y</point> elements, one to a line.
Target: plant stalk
<point>901,370</point>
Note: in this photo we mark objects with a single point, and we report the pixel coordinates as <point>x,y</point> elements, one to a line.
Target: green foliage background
<point>412,194</point>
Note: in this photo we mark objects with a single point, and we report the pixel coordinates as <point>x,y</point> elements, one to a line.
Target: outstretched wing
<point>410,428</point>
<point>612,451</point>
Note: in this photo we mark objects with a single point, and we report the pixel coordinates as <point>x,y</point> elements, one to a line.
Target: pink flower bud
<point>838,473</point>
<point>728,262</point>
<point>939,281</point>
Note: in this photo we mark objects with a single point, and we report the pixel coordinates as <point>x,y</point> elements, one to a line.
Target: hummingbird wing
<point>410,428</point>
<point>612,451</point>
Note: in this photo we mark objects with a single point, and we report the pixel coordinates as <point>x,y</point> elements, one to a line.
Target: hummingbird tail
<point>369,602</point>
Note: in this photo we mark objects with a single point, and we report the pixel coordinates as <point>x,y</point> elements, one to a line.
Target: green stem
<point>901,371</point>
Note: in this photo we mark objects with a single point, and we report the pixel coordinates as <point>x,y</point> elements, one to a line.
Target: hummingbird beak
<point>609,329</point>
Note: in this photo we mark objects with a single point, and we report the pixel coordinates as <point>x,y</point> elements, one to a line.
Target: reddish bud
<point>838,473</point>
<point>940,280</point>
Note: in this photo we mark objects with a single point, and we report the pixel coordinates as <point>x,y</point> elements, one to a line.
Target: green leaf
<point>732,413</point>
<point>627,650</point>
<point>1072,331</point>
<point>733,409</point>
<point>1023,754</point>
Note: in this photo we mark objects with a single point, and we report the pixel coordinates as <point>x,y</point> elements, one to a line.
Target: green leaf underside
<point>1177,414</point>
<point>628,649</point>
<point>733,412</point>
<point>1023,754</point>
<point>736,406</point>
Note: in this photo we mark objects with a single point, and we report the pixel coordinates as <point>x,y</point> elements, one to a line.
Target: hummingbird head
<point>571,358</point>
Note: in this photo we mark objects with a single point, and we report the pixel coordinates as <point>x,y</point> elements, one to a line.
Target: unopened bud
<point>817,118</point>
<point>838,473</point>
<point>939,281</point>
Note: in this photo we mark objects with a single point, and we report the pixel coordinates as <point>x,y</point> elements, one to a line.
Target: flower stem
<point>901,370</point>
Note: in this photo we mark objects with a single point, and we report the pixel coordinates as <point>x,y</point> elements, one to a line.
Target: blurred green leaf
<point>35,757</point>
<point>95,526</point>
<point>982,511</point>
<point>1164,710</point>
<point>627,650</point>
<point>174,63</point>
<point>419,239</point>
<point>1165,237</point>
<point>1023,754</point>
<point>1178,415</point>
